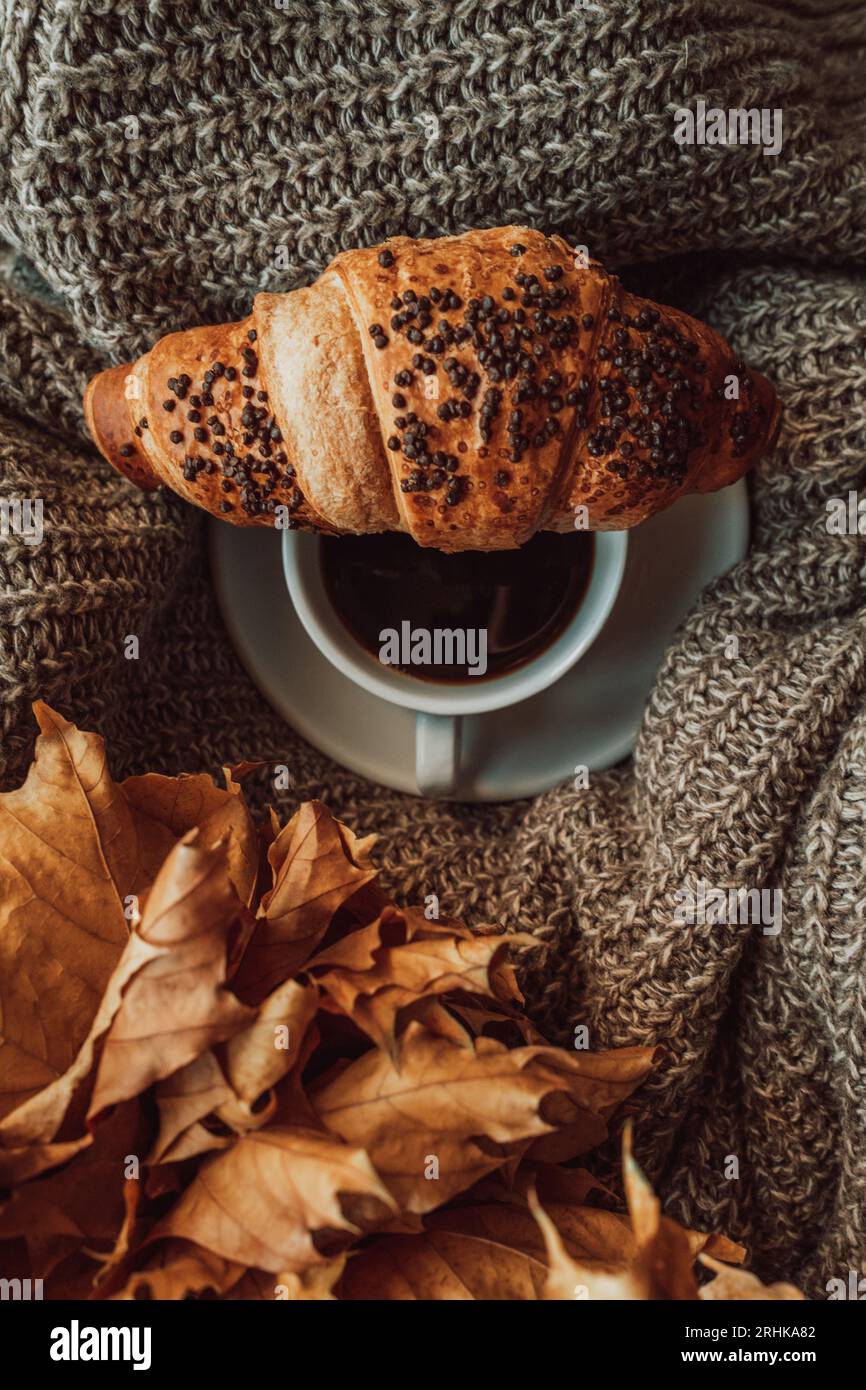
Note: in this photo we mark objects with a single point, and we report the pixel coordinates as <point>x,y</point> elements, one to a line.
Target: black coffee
<point>455,617</point>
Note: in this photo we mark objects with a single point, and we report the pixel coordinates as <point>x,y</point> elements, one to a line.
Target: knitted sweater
<point>162,163</point>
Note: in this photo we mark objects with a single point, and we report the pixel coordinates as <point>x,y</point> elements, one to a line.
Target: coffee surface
<point>521,599</point>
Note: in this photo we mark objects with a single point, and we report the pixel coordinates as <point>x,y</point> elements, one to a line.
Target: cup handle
<point>437,753</point>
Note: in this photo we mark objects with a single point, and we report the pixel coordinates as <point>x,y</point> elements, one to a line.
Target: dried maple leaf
<point>566,1187</point>
<point>442,1265</point>
<point>650,1257</point>
<point>26,1133</point>
<point>664,1256</point>
<point>378,971</point>
<point>258,1056</point>
<point>568,1278</point>
<point>436,1018</point>
<point>82,1203</point>
<point>737,1284</point>
<point>28,1160</point>
<point>324,1095</point>
<point>358,949</point>
<point>454,1105</point>
<point>70,856</point>
<point>175,1005</point>
<point>501,1022</point>
<point>234,1092</point>
<point>265,1199</point>
<point>128,1236</point>
<point>311,1285</point>
<point>315,1283</point>
<point>317,865</point>
<point>194,801</point>
<point>184,1099</point>
<point>491,1249</point>
<point>78,856</point>
<point>177,1269</point>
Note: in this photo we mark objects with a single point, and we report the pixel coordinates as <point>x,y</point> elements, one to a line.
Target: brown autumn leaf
<point>433,1015</point>
<point>359,948</point>
<point>568,1278</point>
<point>496,1021</point>
<point>131,1231</point>
<point>66,1099</point>
<point>177,1269</point>
<point>651,1257</point>
<point>25,1133</point>
<point>567,1187</point>
<point>176,1005</point>
<point>293,1108</point>
<point>376,972</point>
<point>442,1265</point>
<point>70,836</point>
<point>492,1249</point>
<point>276,1043</point>
<point>28,1160</point>
<point>391,1149</point>
<point>233,1091</point>
<point>317,865</point>
<point>665,1257</point>
<point>317,1283</point>
<point>588,1233</point>
<point>732,1285</point>
<point>503,974</point>
<point>70,856</point>
<point>194,1141</point>
<point>191,801</point>
<point>262,1202</point>
<point>270,1045</point>
<point>184,1099</point>
<point>82,1203</point>
<point>454,1102</point>
<point>311,1285</point>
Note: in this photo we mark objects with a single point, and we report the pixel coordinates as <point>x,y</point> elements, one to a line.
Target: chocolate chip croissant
<point>469,391</point>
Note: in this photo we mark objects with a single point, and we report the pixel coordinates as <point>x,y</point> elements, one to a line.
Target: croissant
<point>468,391</point>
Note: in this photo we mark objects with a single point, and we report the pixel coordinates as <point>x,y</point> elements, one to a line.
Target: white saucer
<point>589,718</point>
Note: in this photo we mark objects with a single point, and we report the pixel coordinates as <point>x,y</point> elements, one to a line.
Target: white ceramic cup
<point>440,705</point>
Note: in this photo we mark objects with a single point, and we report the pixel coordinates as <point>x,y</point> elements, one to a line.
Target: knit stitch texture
<point>157,156</point>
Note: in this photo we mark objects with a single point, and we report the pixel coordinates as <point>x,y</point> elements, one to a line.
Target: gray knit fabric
<point>156,156</point>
